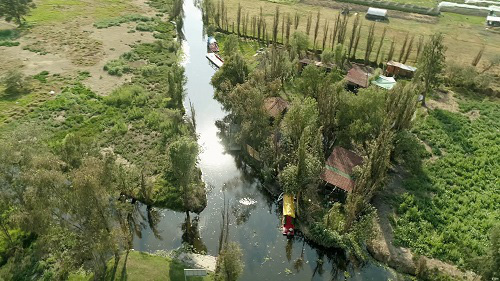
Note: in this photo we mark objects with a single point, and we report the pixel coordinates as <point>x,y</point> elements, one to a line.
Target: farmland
<point>451,205</point>
<point>464,35</point>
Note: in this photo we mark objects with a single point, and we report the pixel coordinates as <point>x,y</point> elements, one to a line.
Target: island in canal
<point>249,140</point>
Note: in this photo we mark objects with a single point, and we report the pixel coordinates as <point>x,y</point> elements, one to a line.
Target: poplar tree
<point>431,64</point>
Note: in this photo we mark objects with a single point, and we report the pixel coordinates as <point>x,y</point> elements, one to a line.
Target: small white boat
<point>215,59</point>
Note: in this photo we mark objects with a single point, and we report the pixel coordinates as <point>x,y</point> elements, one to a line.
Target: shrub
<point>42,76</point>
<point>119,20</point>
<point>117,67</point>
<point>15,83</point>
<point>119,129</point>
<point>125,96</point>
<point>9,43</point>
<point>144,27</point>
<point>467,77</point>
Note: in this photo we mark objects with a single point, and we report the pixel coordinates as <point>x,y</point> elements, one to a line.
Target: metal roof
<point>492,18</point>
<point>402,66</point>
<point>385,82</point>
<point>377,12</point>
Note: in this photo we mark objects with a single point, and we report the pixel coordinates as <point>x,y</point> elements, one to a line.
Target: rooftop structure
<point>275,106</point>
<point>493,21</point>
<point>339,168</point>
<point>376,14</point>
<point>398,69</point>
<point>358,76</point>
<point>385,82</point>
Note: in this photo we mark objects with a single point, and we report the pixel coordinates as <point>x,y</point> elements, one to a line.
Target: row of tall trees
<point>257,27</point>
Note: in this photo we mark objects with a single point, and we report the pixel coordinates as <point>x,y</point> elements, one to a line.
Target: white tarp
<point>467,6</point>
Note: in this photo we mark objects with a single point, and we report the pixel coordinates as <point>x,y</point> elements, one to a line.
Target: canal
<point>254,216</point>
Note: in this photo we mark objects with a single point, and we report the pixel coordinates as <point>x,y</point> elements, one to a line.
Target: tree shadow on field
<point>455,128</point>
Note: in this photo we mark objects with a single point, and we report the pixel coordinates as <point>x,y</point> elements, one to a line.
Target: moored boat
<point>212,45</point>
<point>215,59</point>
<point>288,215</point>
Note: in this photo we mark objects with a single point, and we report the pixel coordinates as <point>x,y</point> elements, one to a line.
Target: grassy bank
<point>143,266</point>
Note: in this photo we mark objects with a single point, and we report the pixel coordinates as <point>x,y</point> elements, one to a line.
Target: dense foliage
<point>453,202</point>
<point>80,149</point>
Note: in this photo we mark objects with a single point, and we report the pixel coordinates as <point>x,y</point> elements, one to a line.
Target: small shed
<point>358,76</point>
<point>493,21</point>
<point>398,69</point>
<point>376,14</point>
<point>275,106</point>
<point>339,168</point>
<point>305,62</point>
<point>385,82</point>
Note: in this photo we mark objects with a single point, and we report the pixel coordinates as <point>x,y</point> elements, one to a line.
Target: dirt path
<point>400,258</point>
<point>76,46</point>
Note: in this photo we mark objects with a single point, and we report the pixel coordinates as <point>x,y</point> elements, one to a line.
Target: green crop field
<point>453,203</point>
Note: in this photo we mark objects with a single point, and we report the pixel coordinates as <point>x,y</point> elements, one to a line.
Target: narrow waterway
<point>255,217</point>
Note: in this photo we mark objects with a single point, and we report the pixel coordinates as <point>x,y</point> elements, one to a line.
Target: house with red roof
<point>339,168</point>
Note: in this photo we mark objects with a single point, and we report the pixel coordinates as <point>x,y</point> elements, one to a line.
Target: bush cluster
<point>119,20</point>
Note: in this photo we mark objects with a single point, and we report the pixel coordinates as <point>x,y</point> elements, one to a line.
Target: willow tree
<point>300,43</point>
<point>183,155</point>
<point>15,10</point>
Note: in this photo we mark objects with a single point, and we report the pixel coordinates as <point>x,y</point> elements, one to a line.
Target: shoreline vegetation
<point>425,200</point>
<point>321,114</point>
<point>114,152</point>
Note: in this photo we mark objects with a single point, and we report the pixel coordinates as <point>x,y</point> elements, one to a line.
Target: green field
<point>50,11</point>
<point>452,204</point>
<point>143,266</point>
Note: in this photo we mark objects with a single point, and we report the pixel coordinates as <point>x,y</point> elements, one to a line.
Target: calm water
<point>255,218</point>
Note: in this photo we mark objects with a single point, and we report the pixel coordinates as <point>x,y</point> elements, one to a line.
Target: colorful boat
<point>288,215</point>
<point>215,59</point>
<point>212,45</point>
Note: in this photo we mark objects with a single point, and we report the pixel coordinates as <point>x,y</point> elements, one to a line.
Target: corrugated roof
<point>358,76</point>
<point>339,167</point>
<point>377,12</point>
<point>275,106</point>
<point>402,66</point>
